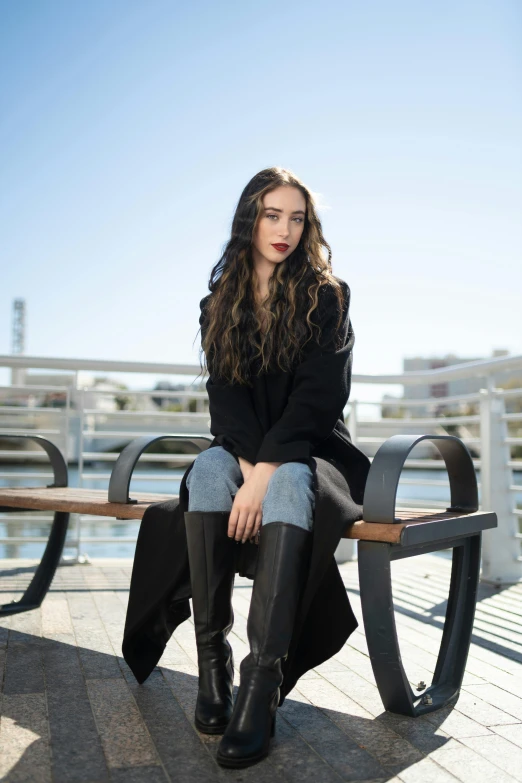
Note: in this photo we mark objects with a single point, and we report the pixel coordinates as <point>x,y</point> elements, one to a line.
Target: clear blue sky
<point>128,130</point>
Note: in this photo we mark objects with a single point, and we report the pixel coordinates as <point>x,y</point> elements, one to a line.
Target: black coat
<point>286,416</point>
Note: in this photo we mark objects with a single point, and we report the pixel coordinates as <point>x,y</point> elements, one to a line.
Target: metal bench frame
<point>44,574</point>
<point>461,532</point>
<point>374,560</point>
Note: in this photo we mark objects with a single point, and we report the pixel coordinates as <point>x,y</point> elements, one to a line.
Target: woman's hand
<point>247,510</point>
<point>246,468</point>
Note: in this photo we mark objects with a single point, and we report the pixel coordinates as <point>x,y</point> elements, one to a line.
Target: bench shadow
<point>499,644</point>
<point>102,725</point>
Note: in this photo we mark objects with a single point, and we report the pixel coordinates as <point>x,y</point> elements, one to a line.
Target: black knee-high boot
<point>211,559</point>
<point>281,570</point>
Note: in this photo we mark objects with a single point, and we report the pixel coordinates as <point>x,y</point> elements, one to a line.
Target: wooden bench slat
<point>94,501</point>
<point>78,500</point>
<point>433,526</point>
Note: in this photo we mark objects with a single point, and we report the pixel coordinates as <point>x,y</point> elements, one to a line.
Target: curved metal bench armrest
<point>124,466</point>
<point>383,478</point>
<point>56,458</point>
<point>43,576</point>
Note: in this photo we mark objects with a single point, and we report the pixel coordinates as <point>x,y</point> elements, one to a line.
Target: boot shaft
<point>283,560</point>
<point>211,557</point>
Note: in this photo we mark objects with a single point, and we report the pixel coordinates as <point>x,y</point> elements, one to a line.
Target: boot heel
<point>272,730</point>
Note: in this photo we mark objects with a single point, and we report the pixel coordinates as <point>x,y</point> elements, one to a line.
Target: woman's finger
<point>241,523</point>
<point>251,521</point>
<point>232,522</point>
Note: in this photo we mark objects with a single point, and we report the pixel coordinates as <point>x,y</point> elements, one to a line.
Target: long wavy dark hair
<point>232,324</point>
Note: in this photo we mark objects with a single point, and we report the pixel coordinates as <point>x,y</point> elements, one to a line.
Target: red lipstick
<point>281,246</point>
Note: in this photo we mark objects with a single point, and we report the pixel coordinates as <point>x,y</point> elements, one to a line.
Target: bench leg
<point>43,576</point>
<point>381,632</point>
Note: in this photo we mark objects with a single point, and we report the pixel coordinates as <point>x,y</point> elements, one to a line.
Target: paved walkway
<point>72,711</point>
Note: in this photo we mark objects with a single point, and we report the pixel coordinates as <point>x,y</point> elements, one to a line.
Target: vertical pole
<point>80,466</point>
<point>500,548</point>
<point>352,421</point>
<point>346,549</point>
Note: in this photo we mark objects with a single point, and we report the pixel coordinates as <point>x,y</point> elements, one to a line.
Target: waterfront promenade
<point>72,711</point>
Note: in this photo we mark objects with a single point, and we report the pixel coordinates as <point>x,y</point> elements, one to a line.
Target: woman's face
<point>280,224</point>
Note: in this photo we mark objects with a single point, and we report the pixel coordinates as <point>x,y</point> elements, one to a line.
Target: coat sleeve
<point>233,420</point>
<point>320,388</point>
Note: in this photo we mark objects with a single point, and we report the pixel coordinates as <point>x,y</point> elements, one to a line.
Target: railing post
<point>500,548</point>
<point>346,550</point>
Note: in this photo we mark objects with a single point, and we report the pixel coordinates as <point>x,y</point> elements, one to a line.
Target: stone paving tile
<point>498,698</point>
<point>139,775</point>
<point>481,711</point>
<point>295,759</point>
<point>500,751</point>
<point>469,766</point>
<point>385,744</point>
<point>125,739</point>
<point>455,724</point>
<point>343,753</point>
<point>426,771</point>
<point>56,617</point>
<point>77,753</point>
<point>23,666</point>
<point>90,716</point>
<point>178,745</point>
<point>512,732</point>
<point>24,743</point>
<point>419,732</point>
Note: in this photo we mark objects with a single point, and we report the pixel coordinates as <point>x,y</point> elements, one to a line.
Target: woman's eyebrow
<point>295,212</point>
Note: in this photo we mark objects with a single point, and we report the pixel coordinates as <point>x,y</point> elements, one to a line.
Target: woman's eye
<point>296,218</point>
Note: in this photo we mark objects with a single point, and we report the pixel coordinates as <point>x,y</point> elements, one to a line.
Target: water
<point>36,523</point>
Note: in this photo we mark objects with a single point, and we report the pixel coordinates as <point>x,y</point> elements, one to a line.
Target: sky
<point>129,129</point>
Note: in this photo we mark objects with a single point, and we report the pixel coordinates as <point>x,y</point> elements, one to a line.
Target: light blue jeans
<point>216,477</point>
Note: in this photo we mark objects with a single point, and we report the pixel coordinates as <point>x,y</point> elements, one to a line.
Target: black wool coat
<point>285,416</point>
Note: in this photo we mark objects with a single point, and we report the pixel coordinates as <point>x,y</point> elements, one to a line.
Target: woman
<point>281,471</point>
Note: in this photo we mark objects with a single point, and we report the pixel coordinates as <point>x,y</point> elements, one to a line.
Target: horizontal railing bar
<point>112,456</point>
<point>419,401</point>
<point>31,540</point>
<point>377,440</point>
<point>39,387</point>
<point>30,432</point>
<point>15,454</point>
<point>419,503</point>
<point>27,475</point>
<point>434,421</point>
<point>508,392</point>
<point>428,482</point>
<point>69,542</point>
<point>481,368</point>
<point>135,476</point>
<point>143,414</point>
<point>104,540</point>
<point>19,519</point>
<point>146,393</point>
<point>20,409</point>
<point>85,519</point>
<point>126,434</point>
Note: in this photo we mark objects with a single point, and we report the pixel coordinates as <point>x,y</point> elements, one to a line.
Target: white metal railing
<point>490,432</point>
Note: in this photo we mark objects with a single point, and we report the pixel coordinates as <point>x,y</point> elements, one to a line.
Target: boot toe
<point>212,718</point>
<point>239,752</point>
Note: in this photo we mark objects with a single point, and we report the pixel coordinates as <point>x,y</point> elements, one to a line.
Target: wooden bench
<point>386,533</point>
